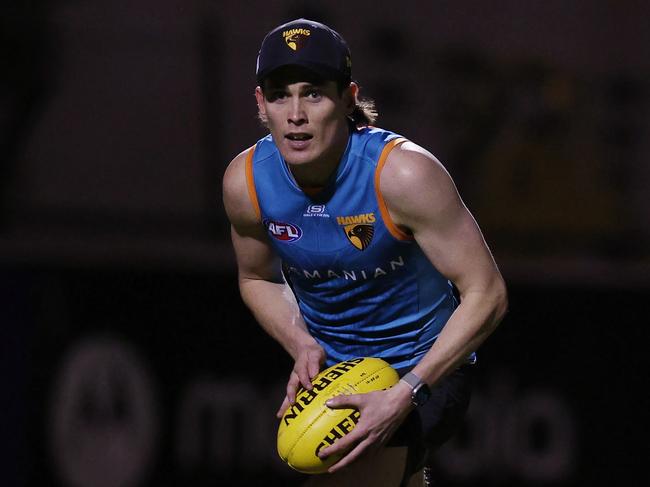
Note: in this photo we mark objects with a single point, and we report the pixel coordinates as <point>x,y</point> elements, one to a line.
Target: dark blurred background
<point>128,358</point>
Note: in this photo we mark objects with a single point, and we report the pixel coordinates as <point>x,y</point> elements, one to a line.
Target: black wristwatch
<point>420,392</point>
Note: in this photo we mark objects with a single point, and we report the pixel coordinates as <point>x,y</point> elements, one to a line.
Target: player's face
<point>307,119</point>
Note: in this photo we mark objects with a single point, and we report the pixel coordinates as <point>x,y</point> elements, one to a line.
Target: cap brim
<point>325,72</point>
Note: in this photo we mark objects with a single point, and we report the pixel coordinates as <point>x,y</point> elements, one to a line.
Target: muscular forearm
<point>274,307</point>
<point>471,323</point>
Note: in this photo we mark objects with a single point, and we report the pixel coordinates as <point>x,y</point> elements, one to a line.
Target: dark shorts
<point>432,424</point>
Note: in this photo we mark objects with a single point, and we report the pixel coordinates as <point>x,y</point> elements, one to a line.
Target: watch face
<point>421,394</point>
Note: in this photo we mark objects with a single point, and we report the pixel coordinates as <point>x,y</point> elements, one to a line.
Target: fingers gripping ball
<point>309,425</point>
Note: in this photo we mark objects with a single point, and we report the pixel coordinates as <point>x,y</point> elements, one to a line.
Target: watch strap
<point>420,391</point>
<point>411,379</point>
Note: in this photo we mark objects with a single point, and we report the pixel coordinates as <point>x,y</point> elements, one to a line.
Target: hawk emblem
<point>296,38</point>
<point>359,235</point>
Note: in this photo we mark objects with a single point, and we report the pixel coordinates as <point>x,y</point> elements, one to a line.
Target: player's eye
<point>313,94</point>
<point>277,95</point>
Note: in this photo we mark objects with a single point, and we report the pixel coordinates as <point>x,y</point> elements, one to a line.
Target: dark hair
<point>363,114</point>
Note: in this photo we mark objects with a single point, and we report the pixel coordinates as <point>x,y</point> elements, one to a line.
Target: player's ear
<point>261,107</point>
<point>351,94</point>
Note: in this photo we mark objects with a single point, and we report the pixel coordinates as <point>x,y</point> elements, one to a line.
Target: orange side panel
<point>252,194</point>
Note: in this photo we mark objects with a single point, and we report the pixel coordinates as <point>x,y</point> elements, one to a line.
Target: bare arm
<point>443,227</point>
<point>262,286</point>
<point>422,200</point>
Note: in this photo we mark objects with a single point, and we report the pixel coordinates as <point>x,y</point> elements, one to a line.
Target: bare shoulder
<point>236,196</point>
<point>414,181</point>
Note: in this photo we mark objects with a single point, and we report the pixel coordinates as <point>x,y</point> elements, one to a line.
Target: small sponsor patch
<point>316,210</point>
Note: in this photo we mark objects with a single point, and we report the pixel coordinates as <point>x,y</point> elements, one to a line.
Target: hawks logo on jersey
<point>359,235</point>
<point>359,229</point>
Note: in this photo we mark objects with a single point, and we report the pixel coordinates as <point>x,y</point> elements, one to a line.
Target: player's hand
<point>381,414</point>
<point>305,368</point>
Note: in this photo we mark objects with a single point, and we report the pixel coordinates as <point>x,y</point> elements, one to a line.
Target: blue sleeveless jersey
<point>364,287</point>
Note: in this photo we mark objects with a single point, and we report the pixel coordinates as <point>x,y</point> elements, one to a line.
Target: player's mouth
<point>298,140</point>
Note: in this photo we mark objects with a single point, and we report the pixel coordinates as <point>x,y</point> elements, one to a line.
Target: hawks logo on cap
<point>359,229</point>
<point>296,38</point>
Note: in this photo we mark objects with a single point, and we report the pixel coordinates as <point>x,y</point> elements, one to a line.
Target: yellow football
<point>309,425</point>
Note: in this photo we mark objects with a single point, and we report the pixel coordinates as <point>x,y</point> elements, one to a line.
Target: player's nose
<point>296,115</point>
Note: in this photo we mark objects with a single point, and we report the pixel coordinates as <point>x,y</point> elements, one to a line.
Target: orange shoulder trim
<point>392,228</point>
<point>250,182</point>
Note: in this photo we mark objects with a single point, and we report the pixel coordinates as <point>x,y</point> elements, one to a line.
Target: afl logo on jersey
<point>285,232</point>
